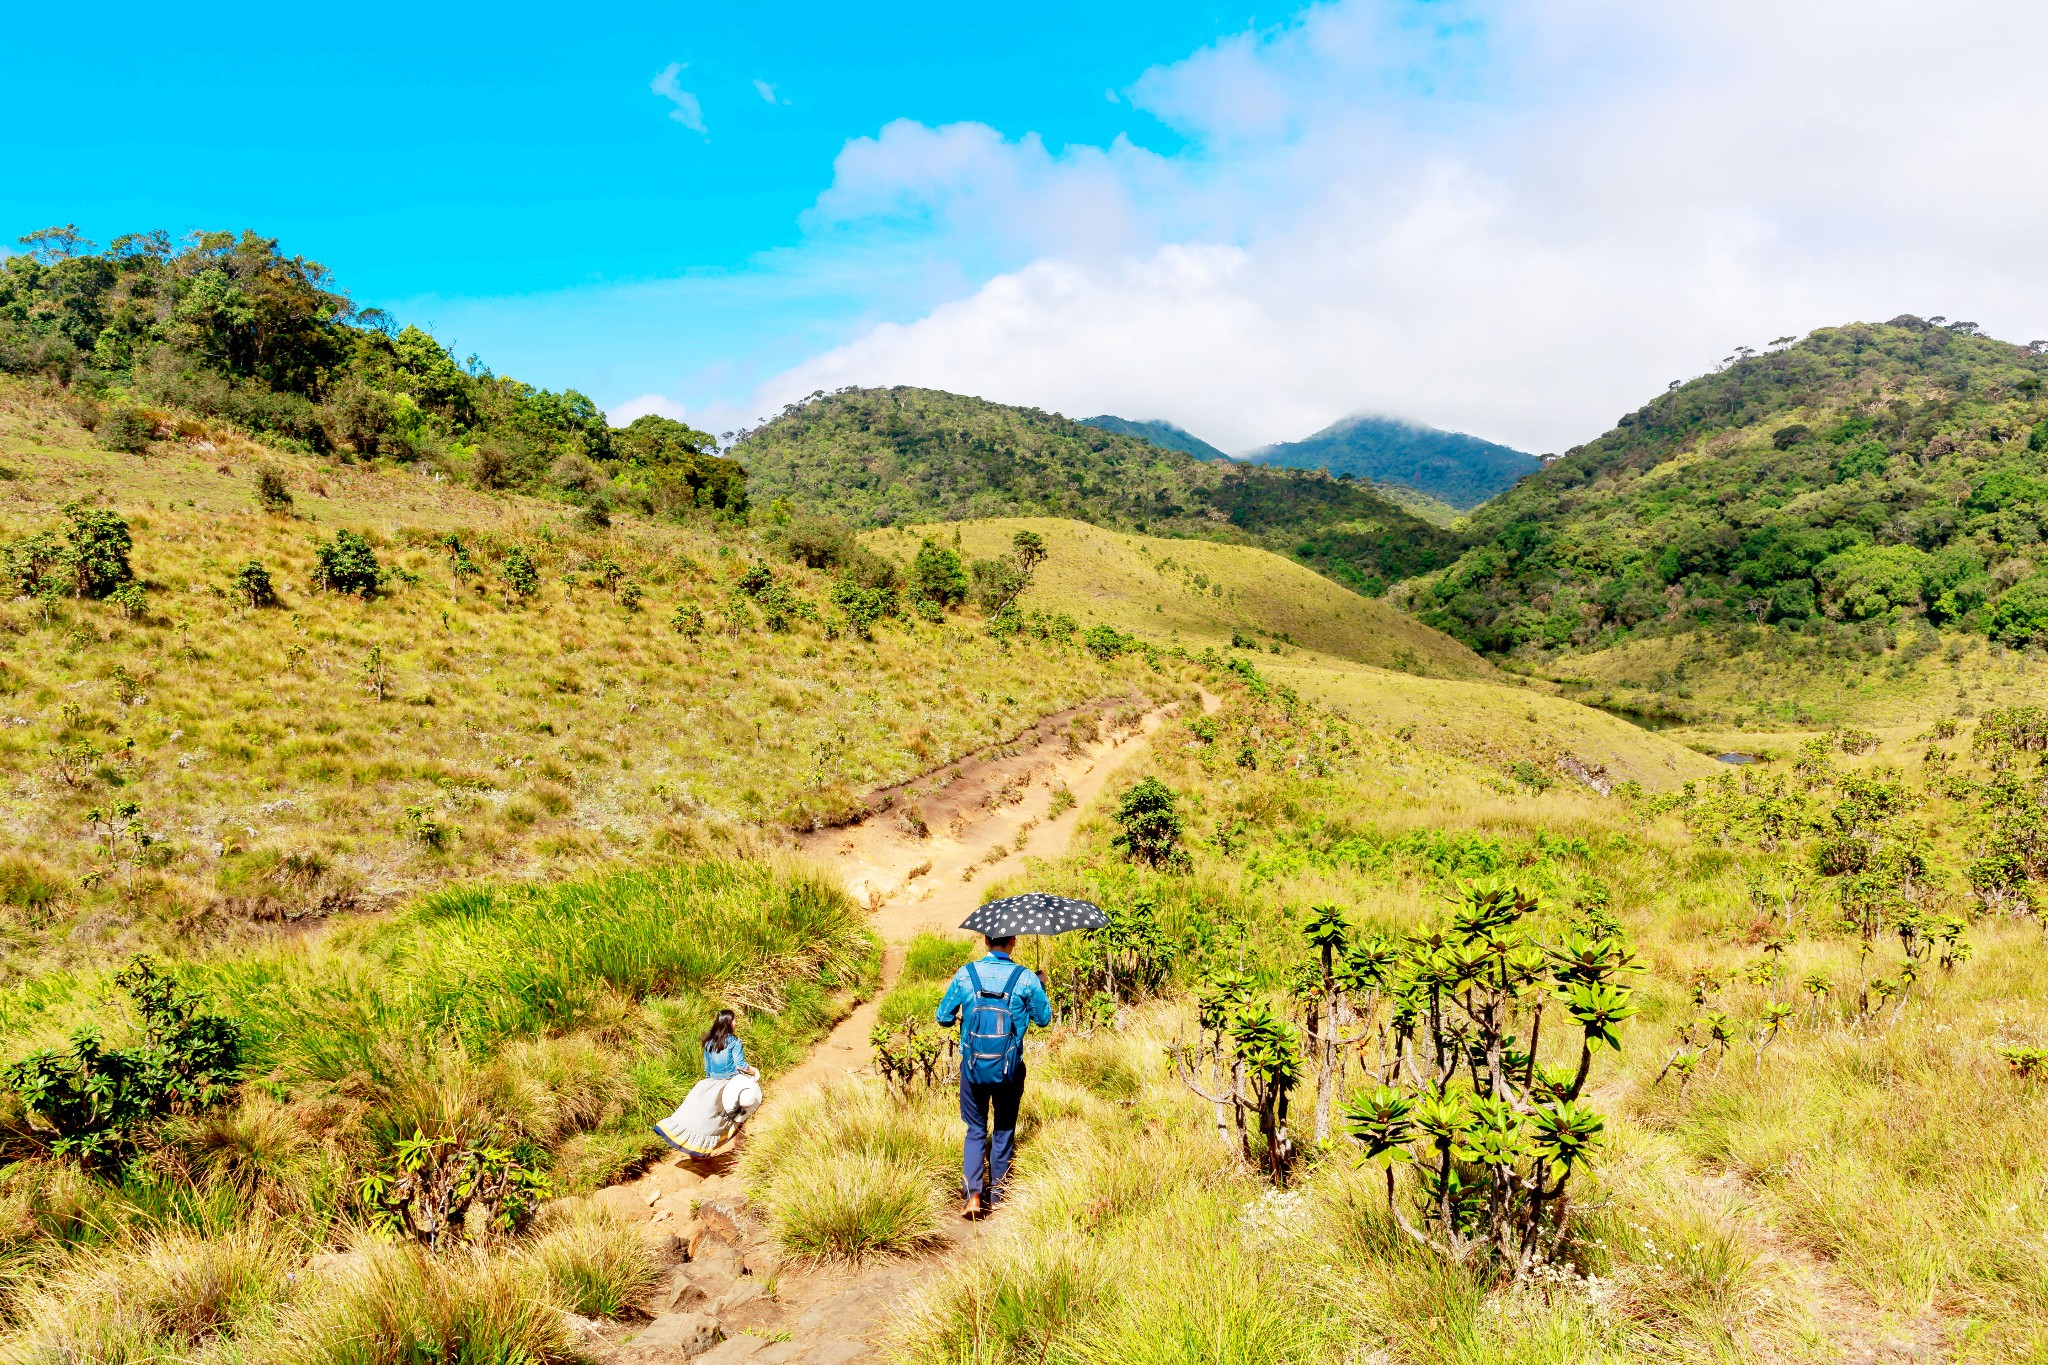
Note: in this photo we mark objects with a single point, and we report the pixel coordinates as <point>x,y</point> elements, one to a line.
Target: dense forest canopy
<point>1866,473</point>
<point>882,457</point>
<point>230,328</point>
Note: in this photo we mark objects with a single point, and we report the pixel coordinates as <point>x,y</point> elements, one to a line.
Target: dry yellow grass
<point>1196,593</point>
<point>535,737</point>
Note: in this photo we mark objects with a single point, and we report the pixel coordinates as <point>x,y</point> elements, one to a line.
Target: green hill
<point>1867,475</point>
<point>884,457</point>
<point>1449,466</point>
<point>1165,435</point>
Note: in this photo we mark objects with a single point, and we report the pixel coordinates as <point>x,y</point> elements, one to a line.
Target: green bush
<point>272,494</point>
<point>347,564</point>
<point>90,1099</point>
<point>936,576</point>
<point>96,550</point>
<point>252,586</point>
<point>522,575</point>
<point>126,429</point>
<point>1149,825</point>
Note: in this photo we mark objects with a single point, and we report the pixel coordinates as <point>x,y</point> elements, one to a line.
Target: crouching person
<point>995,1001</point>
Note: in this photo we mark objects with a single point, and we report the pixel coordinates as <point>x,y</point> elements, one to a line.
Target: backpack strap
<point>974,976</point>
<point>1010,987</point>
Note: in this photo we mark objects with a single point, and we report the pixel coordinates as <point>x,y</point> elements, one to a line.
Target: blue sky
<point>1515,217</point>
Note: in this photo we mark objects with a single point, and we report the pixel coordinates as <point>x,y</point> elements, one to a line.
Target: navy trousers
<point>990,1113</point>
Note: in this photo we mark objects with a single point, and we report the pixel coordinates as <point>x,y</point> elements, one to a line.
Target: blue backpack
<point>991,1047</point>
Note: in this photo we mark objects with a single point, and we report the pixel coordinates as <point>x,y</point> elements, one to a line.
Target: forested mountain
<point>882,457</point>
<point>1450,466</point>
<point>1163,434</point>
<point>228,327</point>
<point>1867,473</point>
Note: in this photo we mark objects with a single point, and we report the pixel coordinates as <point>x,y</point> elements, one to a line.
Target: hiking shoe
<point>973,1209</point>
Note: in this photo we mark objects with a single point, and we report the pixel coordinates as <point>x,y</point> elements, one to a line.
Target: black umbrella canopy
<point>1035,913</point>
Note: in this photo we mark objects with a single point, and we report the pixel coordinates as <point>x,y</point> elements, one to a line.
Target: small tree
<point>347,564</point>
<point>273,494</point>
<point>687,620</point>
<point>937,577</point>
<point>375,672</point>
<point>252,586</point>
<point>522,575</point>
<point>1257,1056</point>
<point>97,546</point>
<point>1150,825</point>
<point>1494,1135</point>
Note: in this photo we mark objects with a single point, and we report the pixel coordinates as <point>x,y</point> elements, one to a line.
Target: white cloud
<point>1518,218</point>
<point>768,92</point>
<point>643,405</point>
<point>687,111</point>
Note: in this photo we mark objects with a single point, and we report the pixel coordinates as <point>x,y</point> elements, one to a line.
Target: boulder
<point>675,1335</point>
<point>733,1350</point>
<point>676,1292</point>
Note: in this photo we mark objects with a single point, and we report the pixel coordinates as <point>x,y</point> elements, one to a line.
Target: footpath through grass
<point>551,1023</point>
<point>1821,1129</point>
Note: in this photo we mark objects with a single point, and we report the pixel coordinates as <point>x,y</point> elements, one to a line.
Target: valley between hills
<point>1603,924</point>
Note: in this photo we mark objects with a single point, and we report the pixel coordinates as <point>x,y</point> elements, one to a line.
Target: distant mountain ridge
<point>1163,434</point>
<point>1450,466</point>
<point>902,456</point>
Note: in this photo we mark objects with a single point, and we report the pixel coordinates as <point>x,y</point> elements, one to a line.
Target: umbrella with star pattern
<point>1035,913</point>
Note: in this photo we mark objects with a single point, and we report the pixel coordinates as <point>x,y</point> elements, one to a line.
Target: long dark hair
<point>720,1032</point>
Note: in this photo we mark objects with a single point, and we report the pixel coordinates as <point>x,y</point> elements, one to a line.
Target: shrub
<point>131,599</point>
<point>1149,825</point>
<point>126,429</point>
<point>687,620</point>
<point>1106,642</point>
<point>862,606</point>
<point>272,494</point>
<point>432,1183</point>
<point>91,1099</point>
<point>252,586</point>
<point>522,575</point>
<point>937,577</point>
<point>96,550</point>
<point>347,564</point>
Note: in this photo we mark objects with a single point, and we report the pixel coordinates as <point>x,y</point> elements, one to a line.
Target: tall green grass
<point>559,1020</point>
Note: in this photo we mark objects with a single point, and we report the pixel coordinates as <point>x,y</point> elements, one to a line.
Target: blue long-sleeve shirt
<point>726,1061</point>
<point>1028,1003</point>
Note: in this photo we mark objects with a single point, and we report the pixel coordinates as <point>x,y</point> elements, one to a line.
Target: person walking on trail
<point>718,1106</point>
<point>995,1001</point>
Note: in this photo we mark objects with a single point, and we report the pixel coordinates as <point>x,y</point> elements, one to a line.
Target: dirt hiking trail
<point>918,863</point>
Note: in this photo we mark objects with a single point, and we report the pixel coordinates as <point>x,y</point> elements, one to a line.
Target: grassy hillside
<point>327,749</point>
<point>1445,466</point>
<point>1199,593</point>
<point>1847,1165</point>
<point>1165,435</point>
<point>1370,662</point>
<point>884,457</point>
<point>1866,474</point>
